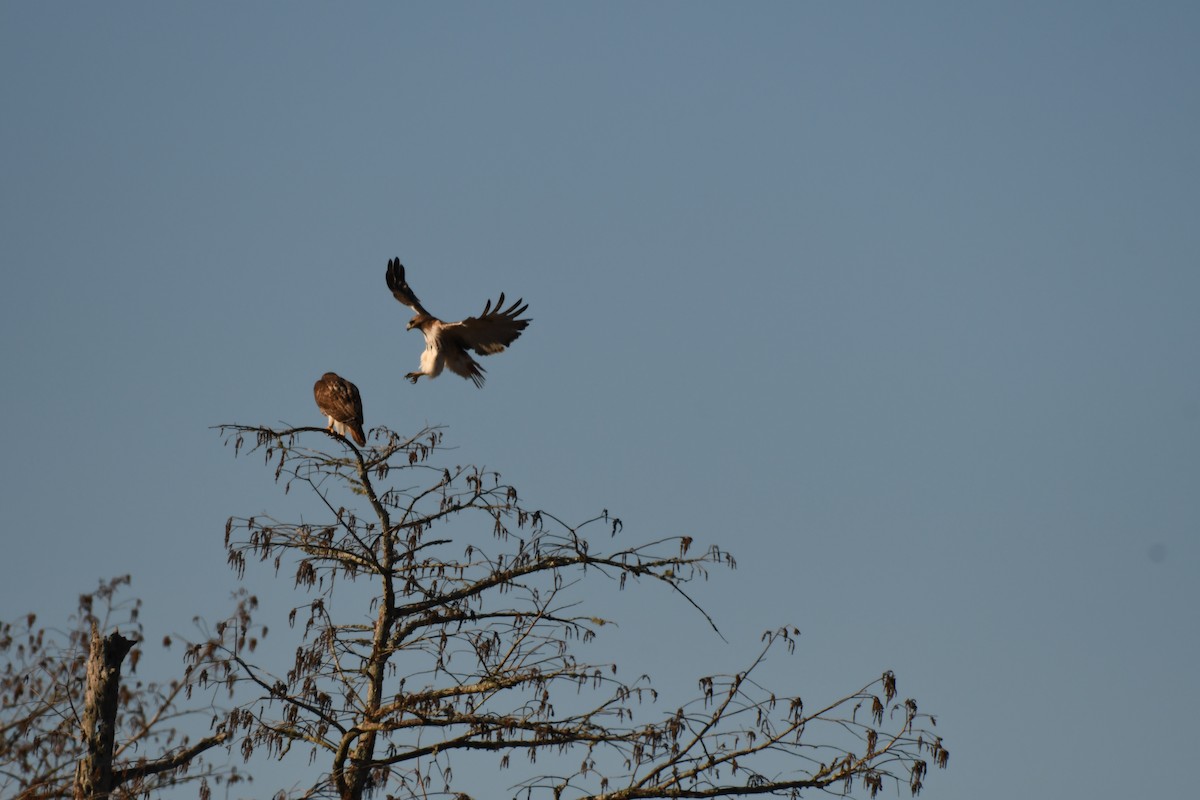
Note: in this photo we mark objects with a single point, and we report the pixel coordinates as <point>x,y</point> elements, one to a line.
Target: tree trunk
<point>94,774</point>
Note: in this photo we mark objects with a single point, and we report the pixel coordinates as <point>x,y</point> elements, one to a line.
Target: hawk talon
<point>412,376</point>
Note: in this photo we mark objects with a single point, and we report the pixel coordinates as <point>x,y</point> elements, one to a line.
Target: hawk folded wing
<point>339,400</point>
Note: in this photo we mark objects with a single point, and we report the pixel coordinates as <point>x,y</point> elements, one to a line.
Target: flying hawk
<point>447,343</point>
<point>338,400</point>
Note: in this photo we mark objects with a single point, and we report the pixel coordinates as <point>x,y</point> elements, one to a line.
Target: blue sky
<point>898,302</point>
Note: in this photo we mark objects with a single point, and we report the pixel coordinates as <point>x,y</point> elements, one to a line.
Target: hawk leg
<point>412,376</point>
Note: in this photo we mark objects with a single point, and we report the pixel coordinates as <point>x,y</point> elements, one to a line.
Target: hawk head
<point>419,321</point>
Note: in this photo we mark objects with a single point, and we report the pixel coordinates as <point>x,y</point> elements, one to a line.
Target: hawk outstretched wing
<point>400,288</point>
<point>491,331</point>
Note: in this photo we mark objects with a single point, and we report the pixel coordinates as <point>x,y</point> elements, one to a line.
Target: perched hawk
<point>339,401</point>
<point>447,343</point>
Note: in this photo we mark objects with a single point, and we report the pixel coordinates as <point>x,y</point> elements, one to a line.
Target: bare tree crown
<point>465,645</point>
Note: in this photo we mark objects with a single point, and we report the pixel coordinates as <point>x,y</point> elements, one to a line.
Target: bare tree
<point>451,653</point>
<point>71,726</point>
